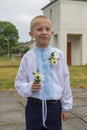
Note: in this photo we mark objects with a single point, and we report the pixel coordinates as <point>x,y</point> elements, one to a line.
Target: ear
<point>52,32</point>
<point>30,34</point>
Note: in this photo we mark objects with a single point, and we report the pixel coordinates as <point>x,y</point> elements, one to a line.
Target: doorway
<point>69,53</point>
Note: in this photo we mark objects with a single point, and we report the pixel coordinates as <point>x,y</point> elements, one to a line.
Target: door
<point>69,53</point>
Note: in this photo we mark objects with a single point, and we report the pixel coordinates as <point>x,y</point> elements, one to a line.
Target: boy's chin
<point>44,44</point>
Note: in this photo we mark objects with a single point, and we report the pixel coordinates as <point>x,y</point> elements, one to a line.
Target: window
<point>51,15</point>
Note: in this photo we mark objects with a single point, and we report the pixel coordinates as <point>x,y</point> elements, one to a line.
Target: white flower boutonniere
<point>37,76</point>
<point>53,59</point>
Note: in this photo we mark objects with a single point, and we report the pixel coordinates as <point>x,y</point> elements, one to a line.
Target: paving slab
<point>9,104</point>
<point>80,111</point>
<point>12,112</point>
<point>79,102</point>
<point>19,126</point>
<point>5,93</point>
<point>79,92</point>
<point>12,117</point>
<point>74,124</point>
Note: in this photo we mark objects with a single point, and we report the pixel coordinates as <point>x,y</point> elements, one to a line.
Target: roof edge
<point>48,4</point>
<point>57,0</point>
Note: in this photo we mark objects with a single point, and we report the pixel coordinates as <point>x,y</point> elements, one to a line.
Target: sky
<point>20,13</point>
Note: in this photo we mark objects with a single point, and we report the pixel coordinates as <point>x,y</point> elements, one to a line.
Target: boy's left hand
<point>65,115</point>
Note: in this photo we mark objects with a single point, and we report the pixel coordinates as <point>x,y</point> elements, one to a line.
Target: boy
<point>49,100</point>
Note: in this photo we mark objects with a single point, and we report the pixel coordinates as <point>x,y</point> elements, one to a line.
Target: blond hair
<point>35,20</point>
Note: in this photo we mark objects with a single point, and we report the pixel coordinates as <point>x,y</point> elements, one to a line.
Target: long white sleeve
<point>22,83</point>
<point>67,94</point>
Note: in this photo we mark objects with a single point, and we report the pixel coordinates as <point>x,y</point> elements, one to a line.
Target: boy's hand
<point>36,87</point>
<point>65,115</point>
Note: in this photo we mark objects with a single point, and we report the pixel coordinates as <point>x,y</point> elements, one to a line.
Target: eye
<point>39,29</point>
<point>48,29</point>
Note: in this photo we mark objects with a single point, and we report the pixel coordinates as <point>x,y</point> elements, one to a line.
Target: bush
<point>26,49</point>
<point>15,50</point>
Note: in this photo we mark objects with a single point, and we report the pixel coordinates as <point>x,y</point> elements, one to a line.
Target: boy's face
<point>41,32</point>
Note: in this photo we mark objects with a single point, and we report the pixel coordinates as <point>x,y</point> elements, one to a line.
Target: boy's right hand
<point>36,87</point>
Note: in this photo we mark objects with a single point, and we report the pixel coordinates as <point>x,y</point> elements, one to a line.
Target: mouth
<point>43,37</point>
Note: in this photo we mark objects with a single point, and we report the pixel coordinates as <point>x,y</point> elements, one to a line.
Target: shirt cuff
<point>65,110</point>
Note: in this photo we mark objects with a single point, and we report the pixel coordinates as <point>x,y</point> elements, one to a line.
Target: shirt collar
<point>42,49</point>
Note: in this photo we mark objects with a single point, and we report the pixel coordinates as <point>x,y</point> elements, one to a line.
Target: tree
<point>8,36</point>
<point>26,49</point>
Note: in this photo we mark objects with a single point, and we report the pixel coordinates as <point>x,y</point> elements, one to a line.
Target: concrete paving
<point>12,113</point>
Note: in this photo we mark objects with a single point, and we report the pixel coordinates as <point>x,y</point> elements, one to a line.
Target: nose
<point>44,31</point>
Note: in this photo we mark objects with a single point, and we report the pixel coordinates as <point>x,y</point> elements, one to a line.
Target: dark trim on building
<point>57,0</point>
<point>49,4</point>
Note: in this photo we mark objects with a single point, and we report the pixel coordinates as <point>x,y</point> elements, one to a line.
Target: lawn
<point>7,76</point>
<point>78,76</point>
<point>6,61</point>
<point>8,71</point>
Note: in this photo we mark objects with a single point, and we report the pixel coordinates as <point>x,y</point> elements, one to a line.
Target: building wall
<point>73,15</point>
<point>70,17</point>
<point>84,48</point>
<point>53,12</point>
<point>76,50</point>
<point>74,21</point>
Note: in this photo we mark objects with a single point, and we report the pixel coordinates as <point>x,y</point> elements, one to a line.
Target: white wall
<point>74,21</point>
<point>84,48</point>
<point>70,17</point>
<point>76,51</point>
<point>73,14</point>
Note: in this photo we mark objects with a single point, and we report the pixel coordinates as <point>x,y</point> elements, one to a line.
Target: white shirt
<point>56,78</point>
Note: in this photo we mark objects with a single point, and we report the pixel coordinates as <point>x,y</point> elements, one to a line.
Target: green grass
<point>7,76</point>
<point>6,61</point>
<point>8,71</point>
<point>78,74</point>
